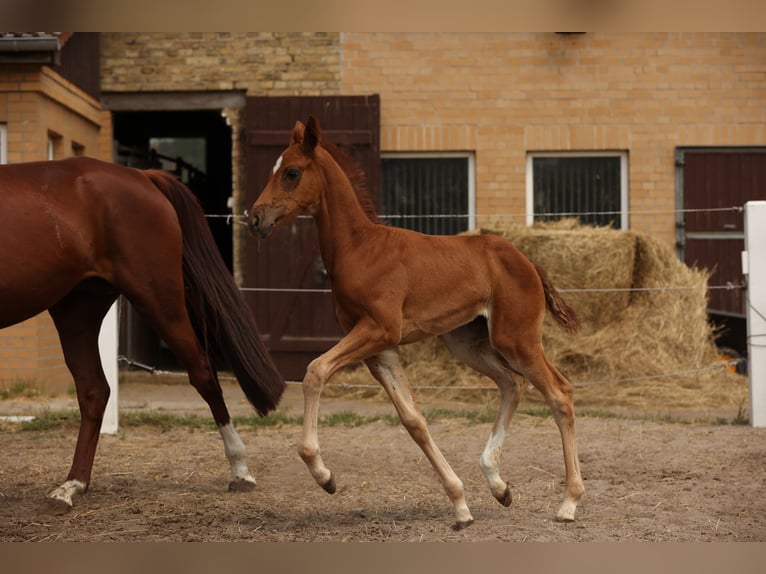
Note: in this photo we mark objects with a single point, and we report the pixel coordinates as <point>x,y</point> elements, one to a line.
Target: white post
<point>107,344</point>
<point>754,266</point>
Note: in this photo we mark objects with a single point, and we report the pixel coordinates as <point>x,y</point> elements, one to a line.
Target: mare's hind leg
<point>78,320</point>
<point>470,344</point>
<point>164,306</point>
<point>387,369</point>
<point>526,355</point>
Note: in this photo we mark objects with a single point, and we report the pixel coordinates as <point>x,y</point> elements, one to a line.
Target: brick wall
<point>498,94</point>
<point>260,63</point>
<point>35,103</point>
<point>505,94</point>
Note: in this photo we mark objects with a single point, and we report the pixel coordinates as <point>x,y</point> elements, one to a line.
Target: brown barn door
<point>290,289</point>
<point>712,180</point>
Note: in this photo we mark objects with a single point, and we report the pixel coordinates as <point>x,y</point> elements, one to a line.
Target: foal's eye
<point>292,173</point>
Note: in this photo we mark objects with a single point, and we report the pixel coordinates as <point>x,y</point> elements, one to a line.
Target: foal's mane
<point>356,176</point>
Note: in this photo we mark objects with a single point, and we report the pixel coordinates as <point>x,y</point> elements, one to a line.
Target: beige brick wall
<point>36,102</point>
<point>260,63</point>
<point>505,94</point>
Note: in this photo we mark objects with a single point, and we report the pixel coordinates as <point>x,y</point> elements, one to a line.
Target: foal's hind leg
<point>529,359</point>
<point>78,320</point>
<point>387,369</point>
<point>470,344</point>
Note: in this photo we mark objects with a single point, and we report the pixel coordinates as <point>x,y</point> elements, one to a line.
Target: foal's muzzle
<point>262,220</point>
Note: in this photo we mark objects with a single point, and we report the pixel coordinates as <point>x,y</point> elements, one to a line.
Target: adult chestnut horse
<point>76,233</point>
<point>393,286</point>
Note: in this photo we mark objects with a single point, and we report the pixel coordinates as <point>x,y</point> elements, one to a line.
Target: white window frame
<point>623,155</point>
<point>470,156</point>
<point>3,144</point>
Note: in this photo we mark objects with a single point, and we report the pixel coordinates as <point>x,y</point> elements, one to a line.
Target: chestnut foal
<point>393,286</point>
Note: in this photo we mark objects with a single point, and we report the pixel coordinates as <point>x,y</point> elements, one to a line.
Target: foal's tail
<point>561,311</point>
<point>220,316</point>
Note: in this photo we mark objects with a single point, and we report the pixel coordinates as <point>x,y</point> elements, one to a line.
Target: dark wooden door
<point>714,180</point>
<point>286,284</point>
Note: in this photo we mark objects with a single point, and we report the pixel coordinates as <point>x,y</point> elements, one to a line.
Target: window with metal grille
<point>591,187</point>
<point>430,193</point>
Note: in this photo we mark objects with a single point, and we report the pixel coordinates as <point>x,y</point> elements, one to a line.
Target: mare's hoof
<point>57,506</point>
<point>329,486</point>
<point>241,485</point>
<point>462,524</point>
<point>506,498</point>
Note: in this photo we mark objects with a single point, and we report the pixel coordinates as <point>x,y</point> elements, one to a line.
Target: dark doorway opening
<point>197,147</point>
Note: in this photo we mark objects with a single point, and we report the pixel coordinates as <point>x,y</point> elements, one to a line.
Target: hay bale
<point>660,331</point>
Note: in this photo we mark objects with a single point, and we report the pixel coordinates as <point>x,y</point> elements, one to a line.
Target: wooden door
<point>291,297</point>
<point>714,180</point>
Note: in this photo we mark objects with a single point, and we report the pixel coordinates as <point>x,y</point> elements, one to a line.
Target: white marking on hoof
<point>567,512</point>
<point>60,499</point>
<point>463,517</point>
<point>241,480</point>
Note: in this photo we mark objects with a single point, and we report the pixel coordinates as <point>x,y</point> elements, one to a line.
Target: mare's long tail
<point>218,311</point>
<point>562,312</point>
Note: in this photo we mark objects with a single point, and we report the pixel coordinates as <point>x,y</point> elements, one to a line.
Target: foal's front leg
<point>361,342</point>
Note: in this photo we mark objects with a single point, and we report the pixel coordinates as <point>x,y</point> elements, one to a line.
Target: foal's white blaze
<point>276,165</point>
<point>66,491</point>
<point>235,452</point>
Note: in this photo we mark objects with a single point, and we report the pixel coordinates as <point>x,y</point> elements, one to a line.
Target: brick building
<point>503,113</point>
<point>510,122</point>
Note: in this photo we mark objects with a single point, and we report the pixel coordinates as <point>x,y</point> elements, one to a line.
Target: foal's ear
<point>310,136</point>
<point>297,135</point>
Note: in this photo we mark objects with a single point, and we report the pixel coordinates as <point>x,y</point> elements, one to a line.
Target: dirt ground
<point>646,480</point>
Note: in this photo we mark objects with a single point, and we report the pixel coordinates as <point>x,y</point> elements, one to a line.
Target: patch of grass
<point>273,419</point>
<point>70,419</point>
<point>22,388</point>
<point>742,418</point>
<point>347,419</point>
<point>53,420</point>
<point>538,412</point>
<point>473,416</point>
<point>166,421</point>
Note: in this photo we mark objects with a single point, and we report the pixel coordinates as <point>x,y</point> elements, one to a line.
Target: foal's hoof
<point>567,512</point>
<point>459,525</point>
<point>505,499</point>
<point>329,486</point>
<point>57,506</point>
<point>241,485</point>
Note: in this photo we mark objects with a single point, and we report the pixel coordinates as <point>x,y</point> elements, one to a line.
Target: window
<point>3,144</point>
<point>430,193</point>
<point>590,186</point>
<point>55,143</point>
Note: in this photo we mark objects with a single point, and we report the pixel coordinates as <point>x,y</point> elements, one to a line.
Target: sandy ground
<point>646,480</point>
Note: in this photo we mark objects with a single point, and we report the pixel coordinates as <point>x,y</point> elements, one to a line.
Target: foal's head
<point>295,185</point>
